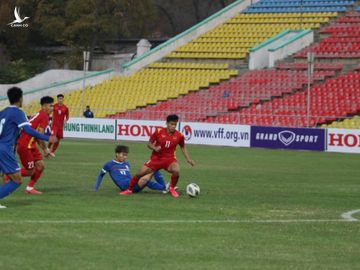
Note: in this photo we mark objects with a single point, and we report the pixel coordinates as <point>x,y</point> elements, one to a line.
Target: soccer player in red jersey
<point>163,142</point>
<point>60,116</point>
<point>27,149</point>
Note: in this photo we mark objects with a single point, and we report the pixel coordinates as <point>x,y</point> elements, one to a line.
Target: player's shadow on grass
<point>23,202</point>
<point>63,190</point>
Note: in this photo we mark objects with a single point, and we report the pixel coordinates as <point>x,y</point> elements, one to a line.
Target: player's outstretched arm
<point>33,133</point>
<point>106,168</point>
<point>187,156</point>
<point>99,180</point>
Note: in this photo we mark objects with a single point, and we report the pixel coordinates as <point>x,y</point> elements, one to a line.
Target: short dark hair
<point>14,95</point>
<point>172,118</point>
<point>46,100</point>
<point>60,95</point>
<point>121,149</point>
<point>87,106</point>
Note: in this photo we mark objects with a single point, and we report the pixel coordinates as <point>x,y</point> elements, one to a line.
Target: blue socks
<point>8,188</point>
<point>158,185</point>
<point>137,189</point>
<point>155,186</point>
<point>160,179</point>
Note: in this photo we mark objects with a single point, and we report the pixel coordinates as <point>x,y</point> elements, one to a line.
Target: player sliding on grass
<point>119,171</point>
<point>163,143</point>
<point>12,119</point>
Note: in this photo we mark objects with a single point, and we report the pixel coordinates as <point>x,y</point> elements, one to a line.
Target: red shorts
<point>58,132</point>
<point>28,157</point>
<point>158,164</point>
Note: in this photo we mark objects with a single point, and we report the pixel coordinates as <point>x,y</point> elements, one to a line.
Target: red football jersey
<point>168,143</point>
<point>59,115</point>
<point>40,120</point>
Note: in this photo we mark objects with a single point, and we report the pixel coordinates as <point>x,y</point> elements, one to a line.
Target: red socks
<point>34,178</point>
<point>174,180</point>
<point>133,182</point>
<point>56,145</point>
<point>24,172</point>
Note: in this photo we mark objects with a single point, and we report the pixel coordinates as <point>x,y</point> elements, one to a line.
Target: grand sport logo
<point>18,22</point>
<point>286,137</point>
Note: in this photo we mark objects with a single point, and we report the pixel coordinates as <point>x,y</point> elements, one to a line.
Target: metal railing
<point>275,118</point>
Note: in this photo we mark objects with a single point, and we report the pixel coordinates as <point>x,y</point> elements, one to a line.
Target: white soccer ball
<point>193,190</point>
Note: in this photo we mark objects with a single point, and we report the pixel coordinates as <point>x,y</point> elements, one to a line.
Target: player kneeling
<point>119,171</point>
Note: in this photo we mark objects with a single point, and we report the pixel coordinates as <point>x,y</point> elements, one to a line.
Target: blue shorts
<point>121,184</point>
<point>8,162</point>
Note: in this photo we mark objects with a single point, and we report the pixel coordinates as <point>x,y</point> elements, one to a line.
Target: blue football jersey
<point>119,171</point>
<point>12,119</point>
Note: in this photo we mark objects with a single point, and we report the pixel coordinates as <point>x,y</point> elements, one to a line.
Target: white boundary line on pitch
<point>349,215</point>
<point>345,217</point>
<point>120,221</point>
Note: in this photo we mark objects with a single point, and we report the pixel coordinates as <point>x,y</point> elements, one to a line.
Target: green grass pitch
<point>71,227</point>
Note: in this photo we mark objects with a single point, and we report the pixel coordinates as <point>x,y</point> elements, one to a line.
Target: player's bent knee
<point>175,172</point>
<point>40,165</point>
<point>16,178</point>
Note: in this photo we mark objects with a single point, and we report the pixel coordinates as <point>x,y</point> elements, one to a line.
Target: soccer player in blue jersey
<point>12,119</point>
<point>119,170</point>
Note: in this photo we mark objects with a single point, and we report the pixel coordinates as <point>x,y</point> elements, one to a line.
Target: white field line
<point>175,221</point>
<point>345,217</point>
<point>349,215</point>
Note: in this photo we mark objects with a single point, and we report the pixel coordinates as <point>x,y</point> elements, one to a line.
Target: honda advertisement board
<point>343,140</point>
<point>216,134</point>
<point>90,128</point>
<point>288,138</point>
<point>136,130</point>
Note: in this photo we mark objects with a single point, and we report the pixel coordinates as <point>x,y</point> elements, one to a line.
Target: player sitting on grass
<point>163,143</point>
<point>119,170</point>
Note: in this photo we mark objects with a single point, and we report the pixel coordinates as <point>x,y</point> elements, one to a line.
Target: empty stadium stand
<point>289,6</point>
<point>160,81</point>
<point>343,42</point>
<point>216,93</point>
<point>234,39</point>
<point>252,87</point>
<point>337,97</point>
<point>352,123</point>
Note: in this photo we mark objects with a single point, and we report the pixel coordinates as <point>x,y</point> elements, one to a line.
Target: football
<point>193,190</point>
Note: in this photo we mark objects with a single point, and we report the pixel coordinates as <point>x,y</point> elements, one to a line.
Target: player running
<point>163,142</point>
<point>30,156</point>
<point>60,116</point>
<point>119,170</point>
<point>12,119</point>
